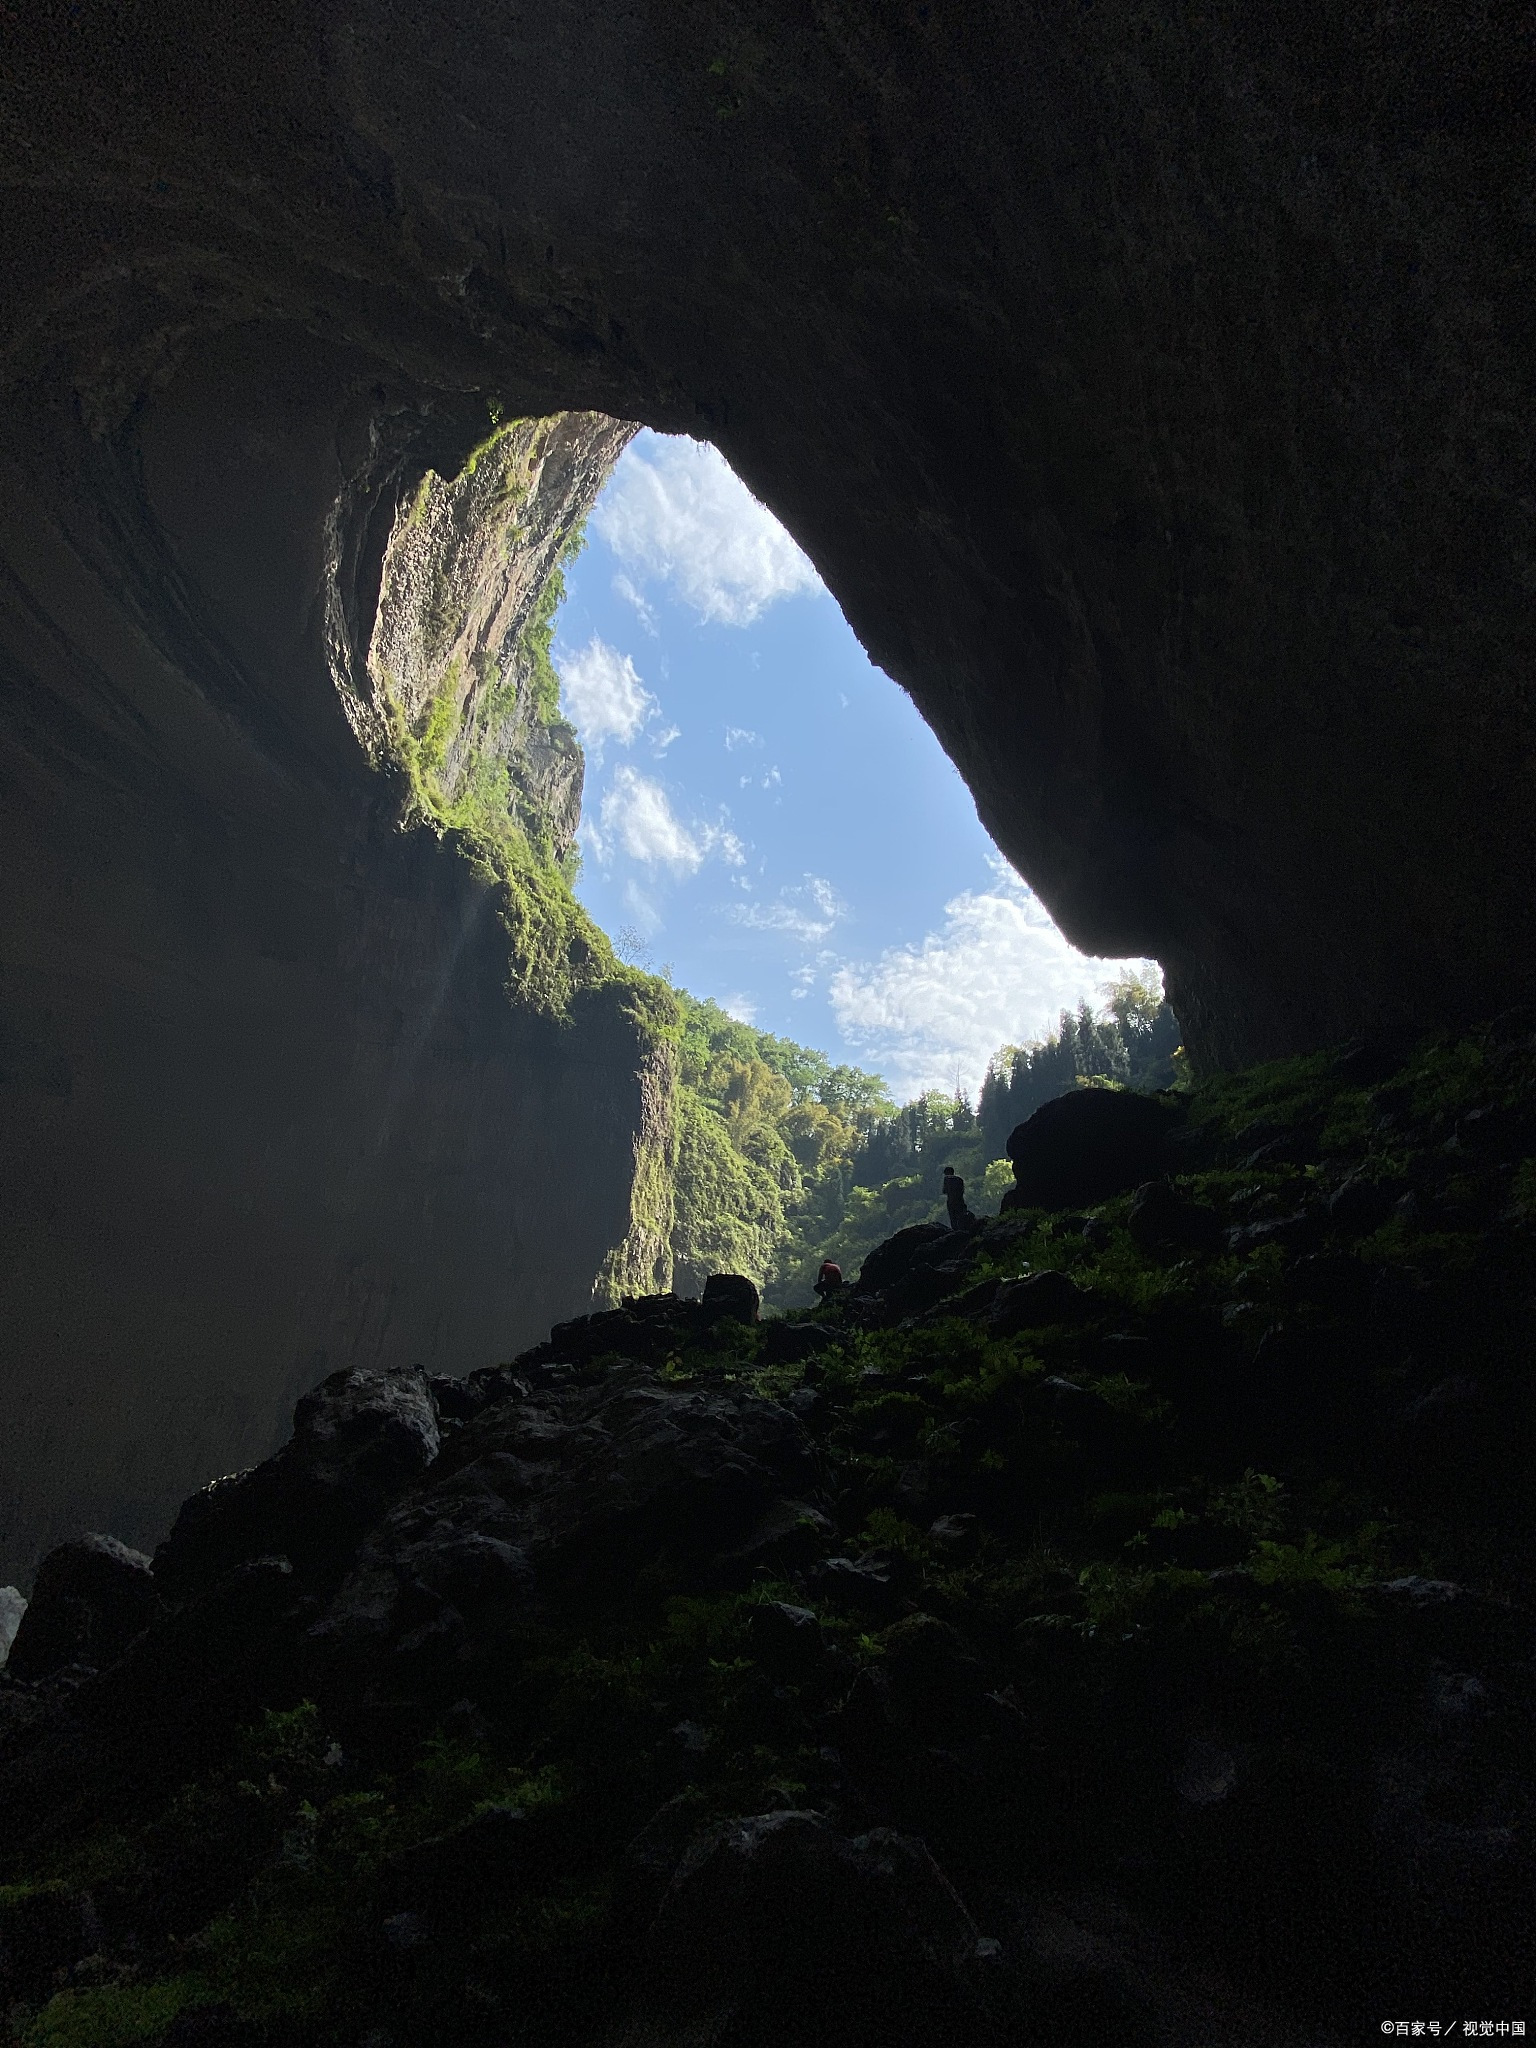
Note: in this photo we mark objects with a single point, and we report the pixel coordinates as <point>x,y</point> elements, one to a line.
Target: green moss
<point>111,2016</point>
<point>536,641</point>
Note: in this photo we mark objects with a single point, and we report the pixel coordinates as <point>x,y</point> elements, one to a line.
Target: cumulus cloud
<point>674,510</point>
<point>604,696</point>
<point>742,1008</point>
<point>806,913</point>
<point>638,819</point>
<point>740,736</point>
<point>998,972</point>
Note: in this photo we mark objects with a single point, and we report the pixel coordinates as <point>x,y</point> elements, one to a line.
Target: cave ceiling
<point>1151,386</point>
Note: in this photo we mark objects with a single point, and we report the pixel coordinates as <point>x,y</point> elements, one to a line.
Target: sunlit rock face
<point>1149,387</point>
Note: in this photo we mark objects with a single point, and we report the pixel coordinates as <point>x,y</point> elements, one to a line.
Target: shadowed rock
<point>1087,1147</point>
<point>805,1934</point>
<point>358,1440</point>
<point>91,1599</point>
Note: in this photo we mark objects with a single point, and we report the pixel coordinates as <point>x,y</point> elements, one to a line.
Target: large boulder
<point>12,1608</point>
<point>1088,1147</point>
<point>551,1498</point>
<point>93,1596</point>
<point>731,1296</point>
<point>358,1441</point>
<point>792,1932</point>
<point>894,1259</point>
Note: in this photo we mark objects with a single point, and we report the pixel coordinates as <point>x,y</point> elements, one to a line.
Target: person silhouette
<point>960,1217</point>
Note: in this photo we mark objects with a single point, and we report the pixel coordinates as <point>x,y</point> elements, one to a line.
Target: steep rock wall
<point>280,1090</point>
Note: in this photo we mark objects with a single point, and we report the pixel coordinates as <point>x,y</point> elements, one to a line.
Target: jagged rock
<point>1301,1228</point>
<point>462,1871</point>
<point>732,1296</point>
<point>645,1328</point>
<point>1361,1203</point>
<point>788,1534</point>
<point>806,1934</point>
<point>865,1585</point>
<point>1087,1147</point>
<point>1161,1220</point>
<point>956,1534</point>
<point>92,1597</point>
<point>169,1702</point>
<point>457,1400</point>
<point>794,1343</point>
<point>550,1494</point>
<point>12,1608</point>
<point>926,1688</point>
<point>1033,1303</point>
<point>358,1441</point>
<point>893,1260</point>
<point>786,1640</point>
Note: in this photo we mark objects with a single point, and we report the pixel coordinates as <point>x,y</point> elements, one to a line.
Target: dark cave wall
<point>266,1108</point>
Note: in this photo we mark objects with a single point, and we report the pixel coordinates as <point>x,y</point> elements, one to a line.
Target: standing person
<point>960,1217</point>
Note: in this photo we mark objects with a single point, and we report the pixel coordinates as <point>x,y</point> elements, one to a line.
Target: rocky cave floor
<point>1104,1626</point>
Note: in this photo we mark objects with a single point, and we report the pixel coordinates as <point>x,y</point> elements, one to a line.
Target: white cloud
<point>742,1008</point>
<point>739,736</point>
<point>673,509</point>
<point>998,972</point>
<point>639,820</point>
<point>662,740</point>
<point>623,588</point>
<point>722,840</point>
<point>806,913</point>
<point>604,696</point>
<point>636,818</point>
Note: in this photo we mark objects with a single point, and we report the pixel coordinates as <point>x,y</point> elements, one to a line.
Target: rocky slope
<point>289,1082</point>
<point>1112,1624</point>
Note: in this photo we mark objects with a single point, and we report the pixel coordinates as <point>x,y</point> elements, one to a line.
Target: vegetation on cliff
<point>1179,1604</point>
<point>460,660</point>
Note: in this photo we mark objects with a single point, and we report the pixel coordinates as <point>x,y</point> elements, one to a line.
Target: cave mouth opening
<point>764,817</point>
<point>603,655</point>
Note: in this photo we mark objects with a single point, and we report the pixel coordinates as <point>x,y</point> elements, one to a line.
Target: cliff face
<point>464,689</point>
<point>288,1081</point>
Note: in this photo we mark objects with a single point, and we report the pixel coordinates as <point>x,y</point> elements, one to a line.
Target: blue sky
<point>767,818</point>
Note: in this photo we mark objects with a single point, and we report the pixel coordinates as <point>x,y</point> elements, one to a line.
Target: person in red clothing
<point>829,1279</point>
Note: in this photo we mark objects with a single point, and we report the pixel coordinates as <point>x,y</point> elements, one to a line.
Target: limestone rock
<point>731,1295</point>
<point>1034,1302</point>
<point>91,1599</point>
<point>1087,1147</point>
<point>1160,1221</point>
<point>541,1498</point>
<point>12,1608</point>
<point>358,1440</point>
<point>813,1935</point>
